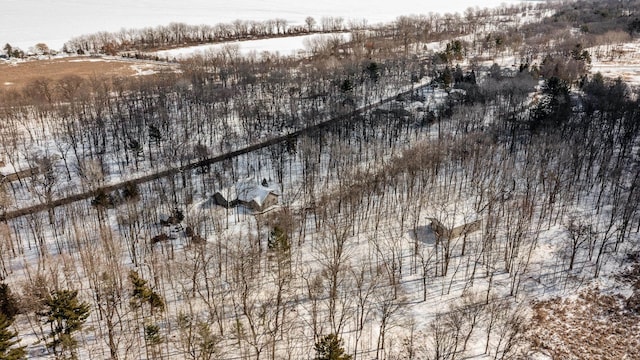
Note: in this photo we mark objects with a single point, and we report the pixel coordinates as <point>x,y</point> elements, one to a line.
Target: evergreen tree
<point>8,340</point>
<point>279,240</point>
<point>131,192</point>
<point>152,340</point>
<point>458,74</point>
<point>446,78</point>
<point>152,334</point>
<point>554,107</point>
<point>373,70</point>
<point>155,134</point>
<point>346,86</point>
<point>633,27</point>
<point>330,348</point>
<point>143,294</point>
<point>65,314</point>
<point>8,302</point>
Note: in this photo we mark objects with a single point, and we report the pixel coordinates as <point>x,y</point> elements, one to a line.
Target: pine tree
<point>373,70</point>
<point>8,302</point>
<point>65,314</point>
<point>8,340</point>
<point>155,134</point>
<point>330,348</point>
<point>142,293</point>
<point>279,240</point>
<point>152,340</point>
<point>152,334</point>
<point>446,77</point>
<point>554,108</point>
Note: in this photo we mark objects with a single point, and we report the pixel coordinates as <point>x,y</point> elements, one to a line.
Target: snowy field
<point>24,23</point>
<point>285,46</point>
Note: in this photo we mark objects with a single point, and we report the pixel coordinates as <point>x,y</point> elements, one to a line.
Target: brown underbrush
<point>595,325</point>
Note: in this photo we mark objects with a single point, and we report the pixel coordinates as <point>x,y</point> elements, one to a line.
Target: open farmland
<point>18,74</point>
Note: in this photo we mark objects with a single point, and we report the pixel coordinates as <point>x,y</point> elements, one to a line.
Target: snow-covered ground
<point>381,243</point>
<point>618,61</point>
<point>284,46</point>
<point>24,23</point>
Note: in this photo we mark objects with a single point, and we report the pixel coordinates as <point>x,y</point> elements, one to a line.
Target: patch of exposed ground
<point>16,75</point>
<point>594,325</point>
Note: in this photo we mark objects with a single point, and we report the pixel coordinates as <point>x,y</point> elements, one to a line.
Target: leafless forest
<point>465,183</point>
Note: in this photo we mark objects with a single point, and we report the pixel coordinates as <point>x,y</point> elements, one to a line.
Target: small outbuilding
<point>456,231</point>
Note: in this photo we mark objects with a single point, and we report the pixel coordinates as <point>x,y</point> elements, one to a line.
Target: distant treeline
<point>180,34</point>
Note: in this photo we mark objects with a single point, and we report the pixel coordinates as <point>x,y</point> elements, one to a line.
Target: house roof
<point>248,190</point>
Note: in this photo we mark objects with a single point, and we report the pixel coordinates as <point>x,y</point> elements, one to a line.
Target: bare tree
<point>441,341</point>
<point>579,234</point>
<point>310,22</point>
<point>388,306</point>
<point>365,282</point>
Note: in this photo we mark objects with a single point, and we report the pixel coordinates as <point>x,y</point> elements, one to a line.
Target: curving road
<point>176,170</point>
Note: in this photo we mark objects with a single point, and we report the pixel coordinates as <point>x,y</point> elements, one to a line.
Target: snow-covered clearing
<point>618,61</point>
<point>284,46</point>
